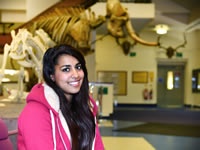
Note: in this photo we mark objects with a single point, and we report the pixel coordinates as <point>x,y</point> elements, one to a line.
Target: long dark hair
<point>76,112</point>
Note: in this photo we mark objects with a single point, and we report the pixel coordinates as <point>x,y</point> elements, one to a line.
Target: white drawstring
<point>61,136</point>
<point>53,129</point>
<point>95,119</point>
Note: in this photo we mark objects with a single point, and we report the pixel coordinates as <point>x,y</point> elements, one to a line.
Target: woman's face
<point>68,75</point>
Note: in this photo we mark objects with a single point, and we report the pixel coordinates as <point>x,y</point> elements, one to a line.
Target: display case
<point>196,81</point>
<point>103,95</point>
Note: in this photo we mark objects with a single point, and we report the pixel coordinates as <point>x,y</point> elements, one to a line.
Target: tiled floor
<point>158,142</point>
<point>126,143</point>
<point>114,140</point>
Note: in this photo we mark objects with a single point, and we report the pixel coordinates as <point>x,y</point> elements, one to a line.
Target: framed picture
<point>118,78</point>
<point>139,76</point>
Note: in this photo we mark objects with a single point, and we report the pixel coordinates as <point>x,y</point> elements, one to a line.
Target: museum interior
<point>142,58</point>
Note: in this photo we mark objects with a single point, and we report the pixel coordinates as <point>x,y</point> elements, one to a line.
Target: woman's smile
<point>75,83</point>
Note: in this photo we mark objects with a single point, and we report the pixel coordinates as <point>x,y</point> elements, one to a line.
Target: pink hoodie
<point>41,125</point>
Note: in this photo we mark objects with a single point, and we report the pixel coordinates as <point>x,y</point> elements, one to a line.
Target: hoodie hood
<point>45,95</point>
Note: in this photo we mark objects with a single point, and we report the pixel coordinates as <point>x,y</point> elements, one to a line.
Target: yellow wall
<point>109,56</point>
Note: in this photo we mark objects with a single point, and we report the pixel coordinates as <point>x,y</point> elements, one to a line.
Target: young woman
<point>60,114</point>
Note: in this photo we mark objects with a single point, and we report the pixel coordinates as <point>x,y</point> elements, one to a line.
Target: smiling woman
<point>60,109</point>
<point>68,75</point>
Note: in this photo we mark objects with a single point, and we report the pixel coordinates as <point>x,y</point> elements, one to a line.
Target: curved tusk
<point>131,32</point>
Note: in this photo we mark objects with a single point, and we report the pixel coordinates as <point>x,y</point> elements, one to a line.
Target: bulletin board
<point>118,78</point>
<point>139,77</point>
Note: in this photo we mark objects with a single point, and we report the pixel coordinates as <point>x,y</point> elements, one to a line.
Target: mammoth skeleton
<point>119,19</point>
<point>74,25</point>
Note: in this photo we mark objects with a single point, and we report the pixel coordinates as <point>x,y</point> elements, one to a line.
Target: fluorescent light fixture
<point>161,29</point>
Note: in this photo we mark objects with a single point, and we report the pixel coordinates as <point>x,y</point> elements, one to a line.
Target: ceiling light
<point>161,29</point>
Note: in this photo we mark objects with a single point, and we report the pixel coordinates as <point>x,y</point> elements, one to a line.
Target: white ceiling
<point>183,15</point>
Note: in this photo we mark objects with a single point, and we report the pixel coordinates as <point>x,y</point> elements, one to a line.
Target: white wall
<point>90,63</point>
<point>192,51</point>
<point>110,57</point>
<point>13,11</point>
<point>34,9</point>
<point>22,10</point>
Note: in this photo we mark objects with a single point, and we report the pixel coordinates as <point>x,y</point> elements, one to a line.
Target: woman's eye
<point>79,67</point>
<point>65,69</point>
